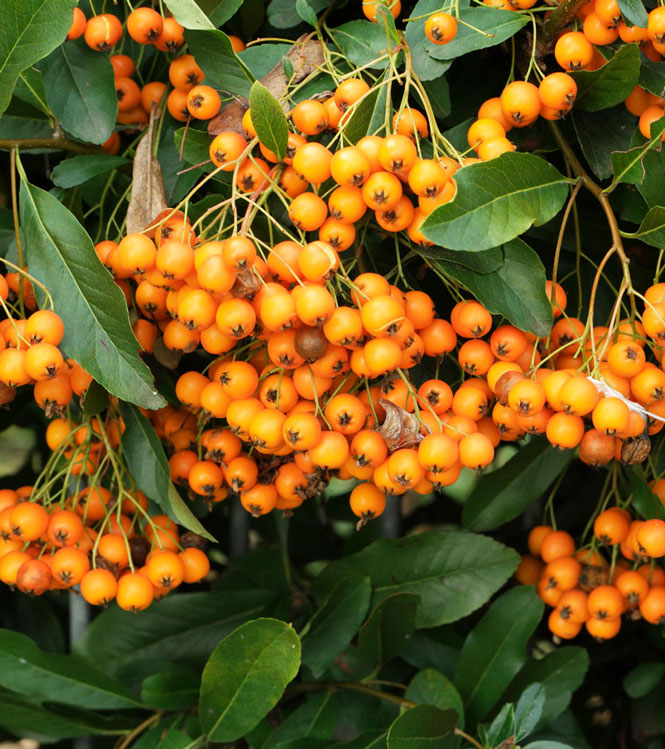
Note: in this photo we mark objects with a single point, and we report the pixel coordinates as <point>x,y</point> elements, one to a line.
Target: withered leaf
<point>148,198</point>
<point>636,450</point>
<point>305,56</point>
<point>165,356</point>
<point>246,285</point>
<point>399,428</point>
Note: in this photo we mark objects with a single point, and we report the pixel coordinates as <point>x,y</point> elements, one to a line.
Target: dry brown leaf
<point>399,428</point>
<point>148,197</point>
<point>305,56</point>
<point>246,285</point>
<point>636,450</point>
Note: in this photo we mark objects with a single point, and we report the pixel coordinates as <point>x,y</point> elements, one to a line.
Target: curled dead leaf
<point>148,198</point>
<point>636,450</point>
<point>399,428</point>
<point>246,285</point>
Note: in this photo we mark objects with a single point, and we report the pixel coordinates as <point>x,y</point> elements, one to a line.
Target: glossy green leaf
<point>644,500</point>
<point>307,13</point>
<point>529,710</point>
<point>421,727</point>
<point>150,469</point>
<point>495,650</point>
<point>516,290</point>
<point>367,117</point>
<point>601,133</point>
<point>78,169</point>
<point>245,677</point>
<point>268,120</point>
<point>628,166</point>
<point>20,120</point>
<point>29,31</point>
<point>335,622</point>
<point>634,12</point>
<point>30,89</point>
<point>547,745</point>
<point>188,13</point>
<point>611,83</point>
<point>426,67</point>
<point>496,25</point>
<point>652,228</point>
<point>362,42</point>
<point>187,627</point>
<point>224,10</point>
<point>642,679</point>
<point>560,672</point>
<point>80,90</point>
<point>222,67</point>
<point>503,494</point>
<point>652,186</point>
<point>387,629</point>
<point>500,729</point>
<point>57,678</point>
<point>175,689</point>
<point>431,687</point>
<point>496,201</point>
<point>97,330</point>
<point>435,565</point>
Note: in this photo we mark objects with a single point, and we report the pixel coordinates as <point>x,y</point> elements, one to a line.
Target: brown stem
<point>470,739</point>
<point>58,143</point>
<point>597,191</point>
<point>559,18</point>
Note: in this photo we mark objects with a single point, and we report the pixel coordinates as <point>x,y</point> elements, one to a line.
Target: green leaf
<point>652,228</point>
<point>435,565</point>
<point>504,494</point>
<point>268,120</point>
<point>516,290</point>
<point>175,689</point>
<point>189,14</point>
<point>29,31</point>
<point>634,12</point>
<point>307,13</point>
<point>426,67</point>
<point>561,672</point>
<point>97,331</point>
<point>495,650</point>
<point>501,728</point>
<point>421,727</point>
<point>78,169</point>
<point>262,58</point>
<point>245,677</point>
<point>431,687</point>
<point>314,719</point>
<point>652,75</point>
<point>362,42</point>
<point>628,166</point>
<point>644,500</point>
<point>30,89</point>
<point>20,120</point>
<point>174,739</point>
<point>497,25</point>
<point>150,468</point>
<point>547,745</point>
<point>80,90</point>
<point>335,622</point>
<point>652,186</point>
<point>486,261</point>
<point>496,201</point>
<point>57,678</point>
<point>224,11</point>
<point>282,14</point>
<point>94,400</point>
<point>385,632</point>
<point>610,84</point>
<point>27,720</point>
<point>642,679</point>
<point>601,133</point>
<point>529,710</point>
<point>367,117</point>
<point>187,627</point>
<point>222,67</point>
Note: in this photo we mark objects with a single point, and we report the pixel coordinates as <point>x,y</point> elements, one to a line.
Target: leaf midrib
<point>21,35</point>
